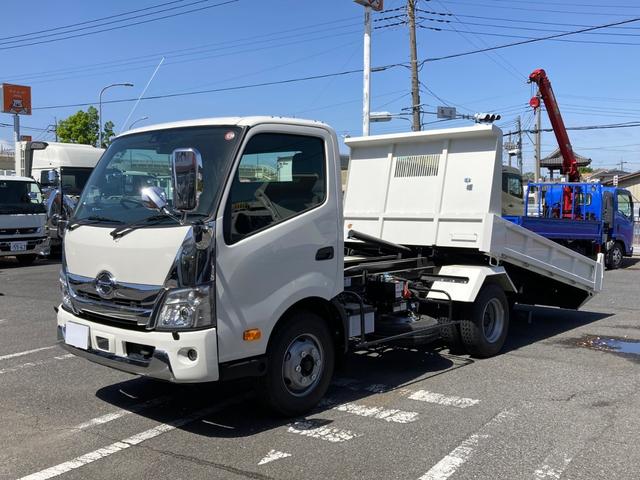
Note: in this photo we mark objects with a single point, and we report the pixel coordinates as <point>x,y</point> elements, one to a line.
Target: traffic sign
<point>376,5</point>
<point>25,138</point>
<point>615,180</point>
<point>447,112</point>
<point>16,99</point>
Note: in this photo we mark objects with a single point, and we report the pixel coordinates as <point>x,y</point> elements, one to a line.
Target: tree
<point>82,127</point>
<point>585,170</point>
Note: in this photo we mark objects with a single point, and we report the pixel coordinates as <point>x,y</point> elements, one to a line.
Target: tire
<point>485,332</point>
<point>615,256</point>
<point>300,365</point>
<point>26,260</point>
<point>450,335</point>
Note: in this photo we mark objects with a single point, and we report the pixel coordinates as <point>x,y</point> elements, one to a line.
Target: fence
<point>636,234</point>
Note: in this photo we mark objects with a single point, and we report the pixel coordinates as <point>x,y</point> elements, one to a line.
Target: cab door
<point>278,233</point>
<point>623,223</point>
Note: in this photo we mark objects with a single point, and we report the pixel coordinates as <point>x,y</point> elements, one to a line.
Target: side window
<point>279,176</point>
<point>625,206</point>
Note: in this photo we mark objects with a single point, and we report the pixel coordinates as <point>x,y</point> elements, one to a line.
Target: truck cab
<point>22,220</point>
<point>512,191</point>
<point>66,167</point>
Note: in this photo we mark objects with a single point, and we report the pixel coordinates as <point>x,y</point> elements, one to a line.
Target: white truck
<point>60,167</point>
<point>244,271</point>
<point>22,220</point>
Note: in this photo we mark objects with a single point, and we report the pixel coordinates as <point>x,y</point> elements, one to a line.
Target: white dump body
<point>442,188</point>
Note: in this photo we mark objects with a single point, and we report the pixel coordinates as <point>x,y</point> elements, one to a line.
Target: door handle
<point>325,253</point>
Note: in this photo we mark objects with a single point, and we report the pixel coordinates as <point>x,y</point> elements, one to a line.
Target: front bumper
<point>119,348</point>
<point>35,246</point>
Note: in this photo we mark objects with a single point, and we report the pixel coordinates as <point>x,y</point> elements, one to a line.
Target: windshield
<point>512,184</point>
<point>73,179</point>
<point>136,161</point>
<point>20,197</point>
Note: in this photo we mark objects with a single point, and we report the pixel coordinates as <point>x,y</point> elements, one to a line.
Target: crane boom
<point>569,163</point>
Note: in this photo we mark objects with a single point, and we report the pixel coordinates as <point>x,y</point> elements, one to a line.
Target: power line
<point>94,20</point>
<point>117,27</point>
<point>532,40</point>
<point>511,7</point>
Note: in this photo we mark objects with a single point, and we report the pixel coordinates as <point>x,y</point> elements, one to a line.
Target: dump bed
<point>442,188</point>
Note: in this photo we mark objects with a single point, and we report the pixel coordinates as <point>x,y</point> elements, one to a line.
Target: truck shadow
<point>533,324</point>
<point>392,371</point>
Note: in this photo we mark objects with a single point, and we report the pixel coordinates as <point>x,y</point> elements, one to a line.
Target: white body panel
<point>424,188</point>
<point>261,276</point>
<point>144,256</point>
<point>475,276</point>
<point>58,155</point>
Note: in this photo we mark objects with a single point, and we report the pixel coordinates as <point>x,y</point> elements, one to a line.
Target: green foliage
<point>82,127</point>
<point>529,176</point>
<point>585,170</point>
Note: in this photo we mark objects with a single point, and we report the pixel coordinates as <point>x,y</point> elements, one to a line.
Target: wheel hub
<point>493,320</point>
<point>303,364</point>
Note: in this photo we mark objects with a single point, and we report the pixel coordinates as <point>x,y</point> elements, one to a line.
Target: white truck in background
<point>61,166</point>
<point>244,271</point>
<point>22,220</point>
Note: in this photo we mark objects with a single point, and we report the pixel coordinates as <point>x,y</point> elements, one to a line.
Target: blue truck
<point>600,218</point>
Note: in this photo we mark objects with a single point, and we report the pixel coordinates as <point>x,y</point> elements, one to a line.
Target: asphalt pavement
<point>559,402</point>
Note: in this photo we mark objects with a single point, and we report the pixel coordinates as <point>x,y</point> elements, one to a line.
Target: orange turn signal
<point>251,335</point>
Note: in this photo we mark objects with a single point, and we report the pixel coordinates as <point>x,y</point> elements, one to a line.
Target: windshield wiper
<point>124,229</point>
<point>92,220</point>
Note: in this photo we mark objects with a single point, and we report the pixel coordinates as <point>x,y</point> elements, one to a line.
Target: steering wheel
<point>125,200</point>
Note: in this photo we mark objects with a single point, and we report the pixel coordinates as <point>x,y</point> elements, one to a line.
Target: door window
<point>279,177</point>
<point>625,206</point>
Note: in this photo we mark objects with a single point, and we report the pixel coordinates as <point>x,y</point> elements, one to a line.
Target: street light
<point>100,108</point>
<point>136,121</point>
<point>386,116</point>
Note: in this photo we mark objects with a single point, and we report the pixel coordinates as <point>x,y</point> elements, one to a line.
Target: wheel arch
<point>331,311</point>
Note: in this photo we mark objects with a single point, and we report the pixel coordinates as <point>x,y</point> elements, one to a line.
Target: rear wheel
<point>614,256</point>
<point>485,332</point>
<point>26,260</point>
<point>300,365</point>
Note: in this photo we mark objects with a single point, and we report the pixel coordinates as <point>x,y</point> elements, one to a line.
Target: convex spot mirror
<point>154,198</point>
<point>52,176</point>
<point>186,178</point>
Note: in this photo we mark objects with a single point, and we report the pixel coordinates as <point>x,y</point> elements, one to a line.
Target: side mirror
<point>186,178</point>
<point>61,227</point>
<point>154,198</point>
<point>53,177</point>
<point>55,219</point>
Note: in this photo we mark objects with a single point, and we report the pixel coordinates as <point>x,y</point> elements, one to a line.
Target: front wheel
<point>300,365</point>
<point>485,332</point>
<point>614,256</point>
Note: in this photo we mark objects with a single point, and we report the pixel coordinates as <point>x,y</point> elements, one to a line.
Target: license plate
<point>18,246</point>
<point>77,335</point>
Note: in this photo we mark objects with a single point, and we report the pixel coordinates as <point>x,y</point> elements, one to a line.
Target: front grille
<point>111,321</point>
<point>18,231</point>
<point>120,302</point>
<point>31,244</point>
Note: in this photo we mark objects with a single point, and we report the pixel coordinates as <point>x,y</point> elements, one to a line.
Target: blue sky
<point>595,76</point>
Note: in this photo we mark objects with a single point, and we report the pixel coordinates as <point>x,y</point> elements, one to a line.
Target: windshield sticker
<point>229,136</point>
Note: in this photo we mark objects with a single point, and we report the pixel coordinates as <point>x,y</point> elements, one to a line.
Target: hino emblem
<point>105,284</point>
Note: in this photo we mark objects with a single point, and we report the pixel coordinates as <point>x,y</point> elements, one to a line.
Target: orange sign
<point>26,138</point>
<point>16,99</point>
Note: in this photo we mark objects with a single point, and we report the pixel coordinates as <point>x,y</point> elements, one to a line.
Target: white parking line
<point>440,399</point>
<point>459,455</point>
<point>109,417</point>
<point>272,456</point>
<point>27,352</point>
<point>2,320</point>
<point>553,466</point>
<point>387,414</point>
<point>35,364</point>
<point>309,428</point>
<point>126,443</point>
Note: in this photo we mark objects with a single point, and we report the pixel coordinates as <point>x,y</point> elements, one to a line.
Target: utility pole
<point>17,154</point>
<point>519,154</point>
<point>55,125</point>
<point>415,84</point>
<point>366,101</point>
<point>622,162</point>
<point>538,138</point>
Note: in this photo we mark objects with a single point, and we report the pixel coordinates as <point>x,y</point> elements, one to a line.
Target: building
<point>554,160</point>
<point>7,161</point>
<point>604,175</point>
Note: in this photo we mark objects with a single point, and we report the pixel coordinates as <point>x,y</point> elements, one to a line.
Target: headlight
<point>64,289</point>
<point>186,308</point>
